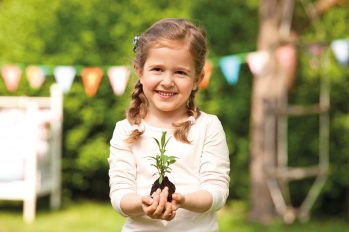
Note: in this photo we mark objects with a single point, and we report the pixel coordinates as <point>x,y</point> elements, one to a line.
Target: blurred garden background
<point>95,33</point>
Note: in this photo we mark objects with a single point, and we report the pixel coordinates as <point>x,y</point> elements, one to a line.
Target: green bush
<point>100,33</point>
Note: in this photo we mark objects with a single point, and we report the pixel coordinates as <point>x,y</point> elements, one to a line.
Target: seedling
<point>162,164</point>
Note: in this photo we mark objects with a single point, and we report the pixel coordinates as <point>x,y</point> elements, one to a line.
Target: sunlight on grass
<point>90,216</point>
<point>85,216</point>
<point>233,218</point>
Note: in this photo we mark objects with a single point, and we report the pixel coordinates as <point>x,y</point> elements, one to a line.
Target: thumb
<point>147,200</point>
<point>177,197</point>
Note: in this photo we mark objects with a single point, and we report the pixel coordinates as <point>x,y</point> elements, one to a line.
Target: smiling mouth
<point>165,94</point>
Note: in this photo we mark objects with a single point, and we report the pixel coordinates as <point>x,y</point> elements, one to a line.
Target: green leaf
<point>162,161</point>
<point>167,142</point>
<point>157,142</point>
<point>163,138</point>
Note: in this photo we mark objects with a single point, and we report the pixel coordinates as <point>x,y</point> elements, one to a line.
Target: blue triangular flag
<point>230,66</point>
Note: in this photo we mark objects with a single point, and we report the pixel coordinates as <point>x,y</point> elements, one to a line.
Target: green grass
<point>93,216</point>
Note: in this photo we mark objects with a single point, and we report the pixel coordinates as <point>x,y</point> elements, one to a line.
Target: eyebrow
<point>184,69</point>
<point>161,65</point>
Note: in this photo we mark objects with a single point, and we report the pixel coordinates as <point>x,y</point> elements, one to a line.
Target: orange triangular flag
<point>91,78</point>
<point>207,76</point>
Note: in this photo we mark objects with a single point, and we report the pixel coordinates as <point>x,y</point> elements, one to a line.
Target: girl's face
<point>168,77</point>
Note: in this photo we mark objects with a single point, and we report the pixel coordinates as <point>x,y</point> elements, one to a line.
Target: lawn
<point>90,216</point>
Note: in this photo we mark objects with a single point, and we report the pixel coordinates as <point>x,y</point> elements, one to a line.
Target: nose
<point>167,80</point>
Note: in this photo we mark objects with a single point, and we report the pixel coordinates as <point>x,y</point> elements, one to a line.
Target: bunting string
<point>119,75</point>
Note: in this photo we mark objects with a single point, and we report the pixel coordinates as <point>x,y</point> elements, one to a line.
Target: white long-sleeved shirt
<point>201,165</point>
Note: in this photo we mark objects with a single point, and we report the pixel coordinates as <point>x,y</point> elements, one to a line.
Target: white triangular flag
<point>257,61</point>
<point>341,50</point>
<point>118,77</point>
<point>64,76</point>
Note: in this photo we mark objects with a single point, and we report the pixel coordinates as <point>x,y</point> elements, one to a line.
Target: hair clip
<point>191,119</point>
<point>135,42</point>
<point>140,127</point>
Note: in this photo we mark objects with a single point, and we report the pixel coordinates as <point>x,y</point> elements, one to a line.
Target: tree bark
<point>262,208</point>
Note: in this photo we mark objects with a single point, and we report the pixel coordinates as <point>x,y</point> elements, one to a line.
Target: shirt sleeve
<point>215,164</point>
<point>122,167</point>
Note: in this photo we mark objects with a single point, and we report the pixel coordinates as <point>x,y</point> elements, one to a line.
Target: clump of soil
<point>165,183</point>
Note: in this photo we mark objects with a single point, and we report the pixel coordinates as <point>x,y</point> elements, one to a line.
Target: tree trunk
<point>265,88</point>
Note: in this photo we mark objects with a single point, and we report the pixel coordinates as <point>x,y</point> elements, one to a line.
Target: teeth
<point>165,94</point>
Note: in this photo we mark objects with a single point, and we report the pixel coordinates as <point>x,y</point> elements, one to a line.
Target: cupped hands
<point>157,206</point>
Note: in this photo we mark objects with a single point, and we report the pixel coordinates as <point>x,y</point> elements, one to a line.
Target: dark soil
<point>165,183</point>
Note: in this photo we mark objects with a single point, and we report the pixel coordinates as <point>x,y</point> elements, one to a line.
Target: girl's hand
<point>178,201</point>
<point>157,207</point>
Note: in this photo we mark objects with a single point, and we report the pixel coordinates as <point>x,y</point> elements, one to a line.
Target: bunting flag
<point>11,75</point>
<point>35,76</point>
<point>207,76</point>
<point>340,49</point>
<point>257,61</point>
<point>118,77</point>
<point>64,76</point>
<point>287,57</point>
<point>315,51</point>
<point>91,78</point>
<point>230,66</point>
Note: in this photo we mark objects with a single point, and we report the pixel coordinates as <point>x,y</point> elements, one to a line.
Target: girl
<point>169,62</point>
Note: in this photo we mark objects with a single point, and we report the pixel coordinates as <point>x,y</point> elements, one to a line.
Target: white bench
<point>30,149</point>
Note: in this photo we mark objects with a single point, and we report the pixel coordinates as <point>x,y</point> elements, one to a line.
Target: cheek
<point>149,83</point>
<point>187,87</point>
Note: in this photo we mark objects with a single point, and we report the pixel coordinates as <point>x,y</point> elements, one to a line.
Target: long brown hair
<point>167,30</point>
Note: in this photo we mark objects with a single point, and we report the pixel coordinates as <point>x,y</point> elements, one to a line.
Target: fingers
<point>149,204</point>
<point>147,200</point>
<point>162,203</point>
<point>158,207</point>
<point>169,213</point>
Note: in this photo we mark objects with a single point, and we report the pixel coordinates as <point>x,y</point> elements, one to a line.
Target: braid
<point>182,129</point>
<point>137,111</point>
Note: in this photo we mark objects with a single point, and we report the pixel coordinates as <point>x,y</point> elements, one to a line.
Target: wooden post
<point>56,146</point>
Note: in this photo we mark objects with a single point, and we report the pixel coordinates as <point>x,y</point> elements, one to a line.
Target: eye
<point>182,73</point>
<point>156,69</point>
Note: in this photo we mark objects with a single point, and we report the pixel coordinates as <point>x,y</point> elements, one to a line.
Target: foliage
<point>79,32</point>
<point>99,33</point>
<point>162,161</point>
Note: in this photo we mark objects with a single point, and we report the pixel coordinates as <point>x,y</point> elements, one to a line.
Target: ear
<point>139,72</point>
<point>197,83</point>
